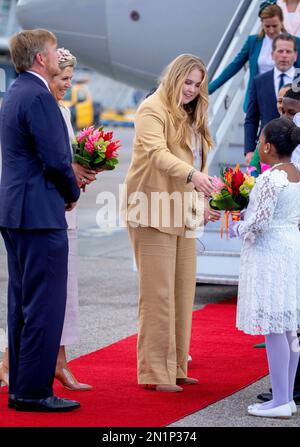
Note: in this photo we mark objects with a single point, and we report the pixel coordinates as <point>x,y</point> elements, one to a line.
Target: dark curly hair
<point>292,94</point>
<point>283,134</point>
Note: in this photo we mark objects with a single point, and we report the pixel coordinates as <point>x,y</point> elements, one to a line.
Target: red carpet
<point>223,359</point>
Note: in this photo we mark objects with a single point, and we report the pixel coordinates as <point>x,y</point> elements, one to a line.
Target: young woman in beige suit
<point>172,140</point>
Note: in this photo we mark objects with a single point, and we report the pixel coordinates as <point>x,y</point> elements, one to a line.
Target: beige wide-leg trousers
<point>167,276</point>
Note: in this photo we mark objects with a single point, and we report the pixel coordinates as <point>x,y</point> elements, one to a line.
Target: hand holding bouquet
<point>231,193</point>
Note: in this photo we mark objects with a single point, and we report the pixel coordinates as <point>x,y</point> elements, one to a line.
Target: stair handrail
<point>226,103</point>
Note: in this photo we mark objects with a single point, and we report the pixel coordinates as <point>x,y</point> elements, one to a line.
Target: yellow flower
<point>249,181</point>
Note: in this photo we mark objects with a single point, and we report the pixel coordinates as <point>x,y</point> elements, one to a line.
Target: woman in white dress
<point>269,283</point>
<point>70,335</point>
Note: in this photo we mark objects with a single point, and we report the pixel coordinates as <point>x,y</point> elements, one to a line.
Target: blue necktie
<point>281,82</point>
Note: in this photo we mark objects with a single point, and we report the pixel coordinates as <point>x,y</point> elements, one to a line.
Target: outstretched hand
<point>202,182</point>
<point>233,229</point>
<point>249,157</point>
<point>211,215</point>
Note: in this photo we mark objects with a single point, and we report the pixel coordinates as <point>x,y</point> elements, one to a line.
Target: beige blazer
<point>159,164</point>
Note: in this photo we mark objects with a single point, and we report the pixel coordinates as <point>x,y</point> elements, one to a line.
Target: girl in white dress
<point>269,283</point>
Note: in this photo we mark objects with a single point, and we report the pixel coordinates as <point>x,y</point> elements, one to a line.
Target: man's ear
<point>40,59</point>
<point>296,56</point>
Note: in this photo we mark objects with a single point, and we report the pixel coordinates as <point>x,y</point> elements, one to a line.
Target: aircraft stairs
<point>218,258</point>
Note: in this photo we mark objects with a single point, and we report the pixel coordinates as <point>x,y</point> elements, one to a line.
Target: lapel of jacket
<point>188,143</point>
<point>271,84</point>
<point>204,154</point>
<point>255,50</point>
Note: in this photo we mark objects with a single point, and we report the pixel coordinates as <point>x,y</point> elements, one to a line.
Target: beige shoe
<point>66,378</point>
<point>187,381</point>
<point>167,388</point>
<point>4,380</point>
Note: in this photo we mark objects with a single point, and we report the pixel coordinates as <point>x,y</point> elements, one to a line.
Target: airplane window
<point>135,16</point>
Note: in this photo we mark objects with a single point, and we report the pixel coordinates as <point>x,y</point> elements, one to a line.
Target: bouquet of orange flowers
<point>231,193</point>
<point>95,149</point>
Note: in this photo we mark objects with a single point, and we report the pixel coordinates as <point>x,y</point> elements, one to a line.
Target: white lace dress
<point>269,283</point>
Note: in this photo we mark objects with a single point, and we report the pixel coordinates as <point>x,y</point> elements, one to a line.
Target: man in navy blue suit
<point>264,89</point>
<point>37,186</point>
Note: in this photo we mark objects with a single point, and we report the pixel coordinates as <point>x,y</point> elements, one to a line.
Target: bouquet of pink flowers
<point>95,149</point>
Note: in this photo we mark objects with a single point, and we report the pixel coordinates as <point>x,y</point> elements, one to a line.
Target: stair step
<point>234,154</point>
<point>218,263</point>
<point>225,164</point>
<point>217,279</point>
<point>213,230</point>
<point>211,241</point>
<point>236,145</point>
<point>221,253</point>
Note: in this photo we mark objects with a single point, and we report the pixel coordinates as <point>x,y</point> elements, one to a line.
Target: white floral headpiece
<point>65,55</point>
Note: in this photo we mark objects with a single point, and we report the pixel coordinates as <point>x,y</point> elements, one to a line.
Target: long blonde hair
<point>196,112</point>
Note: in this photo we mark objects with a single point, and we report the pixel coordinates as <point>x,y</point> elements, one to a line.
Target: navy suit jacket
<point>262,108</point>
<point>37,177</point>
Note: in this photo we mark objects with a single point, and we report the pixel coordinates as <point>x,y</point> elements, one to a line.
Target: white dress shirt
<point>40,77</point>
<point>197,150</point>
<point>265,61</point>
<point>288,77</point>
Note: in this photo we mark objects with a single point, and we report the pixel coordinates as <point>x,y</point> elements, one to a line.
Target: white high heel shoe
<point>281,412</point>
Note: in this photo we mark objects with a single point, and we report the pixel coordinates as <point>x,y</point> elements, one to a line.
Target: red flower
<point>108,136</point>
<point>237,181</point>
<point>111,150</point>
